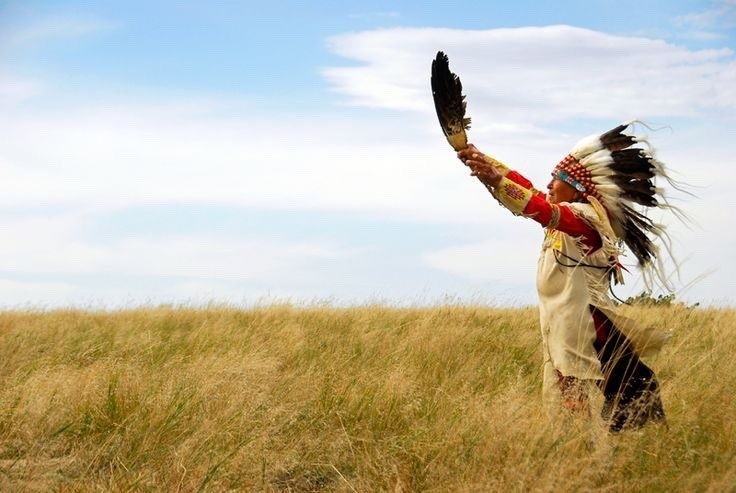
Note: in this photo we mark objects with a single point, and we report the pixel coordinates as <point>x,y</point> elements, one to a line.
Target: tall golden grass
<point>325,399</point>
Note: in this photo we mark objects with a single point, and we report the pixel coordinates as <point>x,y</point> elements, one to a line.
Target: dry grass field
<point>373,398</point>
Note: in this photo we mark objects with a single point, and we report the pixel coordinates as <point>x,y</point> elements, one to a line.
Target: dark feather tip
<point>449,101</point>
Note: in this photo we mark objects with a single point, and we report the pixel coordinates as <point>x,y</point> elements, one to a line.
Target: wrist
<point>501,168</point>
<point>491,181</point>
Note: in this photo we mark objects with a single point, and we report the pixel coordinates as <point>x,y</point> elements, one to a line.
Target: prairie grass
<point>372,398</point>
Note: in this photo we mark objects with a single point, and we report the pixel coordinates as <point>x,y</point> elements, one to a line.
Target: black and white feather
<point>449,102</point>
<point>624,176</point>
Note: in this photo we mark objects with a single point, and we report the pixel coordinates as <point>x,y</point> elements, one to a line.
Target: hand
<point>468,152</point>
<point>475,160</point>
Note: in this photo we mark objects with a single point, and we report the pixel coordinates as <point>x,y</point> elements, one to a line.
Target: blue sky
<point>243,152</point>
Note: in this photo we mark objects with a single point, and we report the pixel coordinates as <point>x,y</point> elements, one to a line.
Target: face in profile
<point>559,191</point>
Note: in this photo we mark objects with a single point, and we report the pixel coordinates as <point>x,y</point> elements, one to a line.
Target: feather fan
<point>449,102</point>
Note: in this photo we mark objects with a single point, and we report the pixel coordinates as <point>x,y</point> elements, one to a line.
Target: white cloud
<point>721,16</point>
<point>14,90</point>
<point>492,260</point>
<point>18,294</point>
<point>51,28</point>
<point>56,243</point>
<point>536,74</point>
<point>119,156</point>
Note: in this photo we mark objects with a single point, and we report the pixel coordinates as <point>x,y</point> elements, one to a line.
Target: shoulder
<point>579,206</point>
<point>582,210</point>
<point>587,214</point>
<point>594,218</point>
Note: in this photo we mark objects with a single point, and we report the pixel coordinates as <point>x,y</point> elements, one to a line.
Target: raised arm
<point>517,194</point>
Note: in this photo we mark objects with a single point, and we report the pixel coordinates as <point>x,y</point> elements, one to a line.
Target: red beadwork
<point>514,192</point>
<point>578,172</point>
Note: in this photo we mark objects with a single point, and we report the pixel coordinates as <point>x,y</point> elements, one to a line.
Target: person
<point>588,213</point>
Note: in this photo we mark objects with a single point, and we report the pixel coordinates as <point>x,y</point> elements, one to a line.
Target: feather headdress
<point>611,171</point>
<point>449,101</point>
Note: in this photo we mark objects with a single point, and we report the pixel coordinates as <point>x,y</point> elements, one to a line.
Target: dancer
<point>595,205</point>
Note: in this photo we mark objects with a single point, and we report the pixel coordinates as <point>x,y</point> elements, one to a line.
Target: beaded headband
<point>576,175</point>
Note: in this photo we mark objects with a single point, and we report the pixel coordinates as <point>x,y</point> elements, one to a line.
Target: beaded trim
<point>576,175</point>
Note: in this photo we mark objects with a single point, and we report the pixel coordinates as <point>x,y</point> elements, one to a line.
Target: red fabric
<point>541,211</point>
<point>602,325</point>
<point>517,178</point>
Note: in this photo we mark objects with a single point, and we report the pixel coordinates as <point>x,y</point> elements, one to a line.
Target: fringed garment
<point>584,337</point>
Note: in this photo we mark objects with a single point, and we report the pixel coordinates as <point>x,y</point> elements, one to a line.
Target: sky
<point>238,152</point>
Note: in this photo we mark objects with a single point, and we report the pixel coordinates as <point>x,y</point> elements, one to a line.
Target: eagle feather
<point>449,102</point>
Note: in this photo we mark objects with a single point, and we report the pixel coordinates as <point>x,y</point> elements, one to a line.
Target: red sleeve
<point>543,212</point>
<point>519,179</point>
